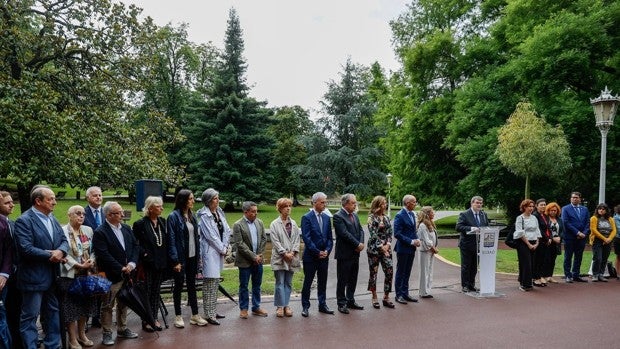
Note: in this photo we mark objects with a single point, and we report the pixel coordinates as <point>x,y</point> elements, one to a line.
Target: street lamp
<point>389,180</point>
<point>605,107</point>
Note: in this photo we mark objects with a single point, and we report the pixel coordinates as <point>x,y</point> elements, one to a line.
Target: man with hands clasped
<point>405,233</point>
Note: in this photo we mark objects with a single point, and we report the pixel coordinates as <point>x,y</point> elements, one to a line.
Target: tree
<point>66,69</point>
<point>228,146</point>
<point>529,147</point>
<point>353,162</point>
<point>290,125</point>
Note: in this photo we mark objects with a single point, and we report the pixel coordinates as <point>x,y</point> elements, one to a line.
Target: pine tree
<point>228,147</point>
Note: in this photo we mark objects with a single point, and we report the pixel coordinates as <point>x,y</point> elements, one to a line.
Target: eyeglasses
<point>115,213</point>
<point>575,197</point>
<point>78,213</point>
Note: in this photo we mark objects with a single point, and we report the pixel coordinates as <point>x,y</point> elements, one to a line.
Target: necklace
<point>159,240</point>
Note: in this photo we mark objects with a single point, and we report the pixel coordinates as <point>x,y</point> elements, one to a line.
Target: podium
<point>487,242</point>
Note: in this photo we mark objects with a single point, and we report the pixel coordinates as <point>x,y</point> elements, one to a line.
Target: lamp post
<point>605,107</point>
<point>389,180</point>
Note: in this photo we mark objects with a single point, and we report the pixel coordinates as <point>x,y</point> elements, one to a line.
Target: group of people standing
<point>541,229</point>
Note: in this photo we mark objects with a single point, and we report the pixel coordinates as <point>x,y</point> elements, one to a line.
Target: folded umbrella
<point>134,297</point>
<point>225,293</point>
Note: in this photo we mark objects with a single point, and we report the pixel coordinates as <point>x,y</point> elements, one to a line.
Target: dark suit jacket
<point>404,232</point>
<point>243,242</point>
<point>575,222</point>
<point>178,238</point>
<point>111,257</point>
<point>6,247</point>
<point>151,256</point>
<point>89,217</point>
<point>314,240</point>
<point>466,221</point>
<point>348,235</point>
<point>36,272</point>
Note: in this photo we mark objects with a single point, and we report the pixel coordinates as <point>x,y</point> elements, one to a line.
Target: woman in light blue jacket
<point>214,238</point>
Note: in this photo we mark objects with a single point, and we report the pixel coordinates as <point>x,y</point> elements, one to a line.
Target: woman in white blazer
<point>80,260</point>
<point>285,237</point>
<point>428,248</point>
<point>214,238</point>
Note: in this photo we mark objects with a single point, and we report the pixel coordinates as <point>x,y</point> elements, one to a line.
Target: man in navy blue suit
<point>41,245</point>
<point>468,225</point>
<point>576,229</point>
<point>316,230</point>
<point>406,236</point>
<point>349,244</point>
<point>93,215</point>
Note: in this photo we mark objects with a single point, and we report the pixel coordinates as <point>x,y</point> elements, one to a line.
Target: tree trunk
<point>527,186</point>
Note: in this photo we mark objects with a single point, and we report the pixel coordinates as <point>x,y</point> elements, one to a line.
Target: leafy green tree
<point>290,125</point>
<point>228,147</point>
<point>524,138</point>
<point>66,68</point>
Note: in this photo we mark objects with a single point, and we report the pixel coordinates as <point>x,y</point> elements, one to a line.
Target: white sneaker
<point>197,320</point>
<point>178,321</point>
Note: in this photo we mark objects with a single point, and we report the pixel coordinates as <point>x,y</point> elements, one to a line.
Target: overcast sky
<point>292,47</point>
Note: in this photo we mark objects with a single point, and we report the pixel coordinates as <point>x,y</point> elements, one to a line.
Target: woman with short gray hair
<point>214,239</point>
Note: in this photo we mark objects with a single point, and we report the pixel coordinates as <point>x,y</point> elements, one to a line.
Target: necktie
<point>320,219</point>
<point>478,219</point>
<point>351,218</point>
<point>97,218</point>
<point>410,213</point>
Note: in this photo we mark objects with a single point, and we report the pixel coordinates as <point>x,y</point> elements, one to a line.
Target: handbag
<point>89,286</point>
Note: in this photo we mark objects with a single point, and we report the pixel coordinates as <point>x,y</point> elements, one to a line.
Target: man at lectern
<point>468,225</point>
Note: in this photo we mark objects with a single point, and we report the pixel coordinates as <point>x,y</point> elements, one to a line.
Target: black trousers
<point>346,272</point>
<point>187,274</point>
<point>526,261</point>
<point>469,267</point>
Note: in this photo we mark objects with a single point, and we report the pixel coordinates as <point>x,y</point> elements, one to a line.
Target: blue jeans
<point>284,285</point>
<point>46,303</point>
<point>404,263</point>
<point>256,272</point>
<point>573,247</point>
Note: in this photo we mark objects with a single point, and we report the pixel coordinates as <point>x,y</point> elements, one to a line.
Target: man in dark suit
<point>6,265</point>
<point>316,231</point>
<point>13,303</point>
<point>93,215</point>
<point>576,221</point>
<point>117,253</point>
<point>41,245</point>
<point>249,238</point>
<point>405,233</point>
<point>349,244</point>
<point>468,225</point>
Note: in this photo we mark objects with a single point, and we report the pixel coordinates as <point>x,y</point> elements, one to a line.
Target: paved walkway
<point>558,316</point>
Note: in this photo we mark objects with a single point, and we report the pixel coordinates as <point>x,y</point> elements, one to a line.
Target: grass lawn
<point>507,261</point>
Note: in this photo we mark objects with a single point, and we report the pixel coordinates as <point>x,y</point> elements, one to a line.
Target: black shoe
<point>427,296</point>
<point>410,299</point>
<point>578,279</point>
<point>343,309</point>
<point>387,304</point>
<point>355,306</point>
<point>304,312</point>
<point>326,310</point>
<point>473,289</point>
<point>401,300</point>
<point>146,327</point>
<point>219,316</point>
<point>465,289</point>
<point>212,321</point>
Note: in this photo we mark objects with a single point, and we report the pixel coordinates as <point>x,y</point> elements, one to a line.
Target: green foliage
<point>66,69</point>
<point>524,137</point>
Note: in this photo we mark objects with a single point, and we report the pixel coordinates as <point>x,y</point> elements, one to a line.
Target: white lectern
<point>487,239</point>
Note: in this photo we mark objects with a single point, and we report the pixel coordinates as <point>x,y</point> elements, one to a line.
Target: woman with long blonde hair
<point>427,232</point>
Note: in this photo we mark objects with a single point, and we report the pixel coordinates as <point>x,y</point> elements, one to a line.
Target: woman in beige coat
<point>285,236</point>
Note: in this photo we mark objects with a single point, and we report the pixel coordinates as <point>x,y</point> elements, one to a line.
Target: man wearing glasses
<point>576,228</point>
<point>117,254</point>
<point>405,233</point>
<point>468,225</point>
